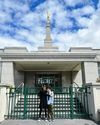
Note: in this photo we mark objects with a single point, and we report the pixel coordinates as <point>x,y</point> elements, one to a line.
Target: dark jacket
<point>43,99</point>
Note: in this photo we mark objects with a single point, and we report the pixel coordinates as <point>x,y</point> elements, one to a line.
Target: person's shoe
<point>52,119</point>
<point>39,119</point>
<point>46,119</point>
<point>49,120</point>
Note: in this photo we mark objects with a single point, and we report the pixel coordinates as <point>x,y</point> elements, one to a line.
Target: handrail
<point>76,84</point>
<point>21,84</point>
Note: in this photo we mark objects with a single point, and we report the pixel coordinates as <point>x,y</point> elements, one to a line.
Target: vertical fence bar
<point>24,115</point>
<point>67,103</point>
<point>86,89</point>
<point>32,107</point>
<point>16,111</point>
<point>14,103</point>
<point>9,103</point>
<point>80,102</point>
<point>11,106</point>
<point>75,102</point>
<point>71,102</point>
<point>21,109</point>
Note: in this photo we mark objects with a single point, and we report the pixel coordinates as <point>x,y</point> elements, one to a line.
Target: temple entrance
<point>49,78</point>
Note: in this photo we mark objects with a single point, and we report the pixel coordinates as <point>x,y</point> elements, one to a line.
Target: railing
<point>82,94</point>
<point>13,96</point>
<point>76,85</point>
<point>69,102</point>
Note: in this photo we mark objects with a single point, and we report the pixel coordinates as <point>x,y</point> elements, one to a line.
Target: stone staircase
<point>65,107</point>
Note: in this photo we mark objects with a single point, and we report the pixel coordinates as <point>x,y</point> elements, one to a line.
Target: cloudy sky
<point>74,23</point>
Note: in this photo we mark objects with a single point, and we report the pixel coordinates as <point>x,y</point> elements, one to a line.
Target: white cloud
<point>4,17</point>
<point>75,2</point>
<point>15,5</point>
<point>83,11</point>
<point>62,20</point>
<point>8,42</point>
<point>87,37</point>
<point>83,22</point>
<point>34,37</point>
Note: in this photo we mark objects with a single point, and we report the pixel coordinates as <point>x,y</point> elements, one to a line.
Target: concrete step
<point>55,122</point>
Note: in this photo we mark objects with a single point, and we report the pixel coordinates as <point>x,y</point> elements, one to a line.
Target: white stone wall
<point>18,77</point>
<point>15,50</point>
<point>96,91</point>
<point>91,102</point>
<point>30,79</point>
<point>90,72</point>
<point>77,77</point>
<point>80,49</point>
<point>66,78</point>
<point>0,70</point>
<point>94,101</point>
<point>3,103</point>
<point>7,73</point>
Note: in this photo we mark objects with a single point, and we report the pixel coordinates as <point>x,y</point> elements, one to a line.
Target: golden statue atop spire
<point>48,16</point>
<point>48,40</point>
<point>48,29</point>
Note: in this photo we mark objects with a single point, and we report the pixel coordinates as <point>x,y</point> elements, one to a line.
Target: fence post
<point>25,101</point>
<point>86,94</point>
<point>71,102</point>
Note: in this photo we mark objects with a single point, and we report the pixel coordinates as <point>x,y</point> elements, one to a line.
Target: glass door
<point>49,79</point>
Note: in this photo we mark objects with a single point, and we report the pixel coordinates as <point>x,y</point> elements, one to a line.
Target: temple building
<point>49,65</point>
<point>80,66</point>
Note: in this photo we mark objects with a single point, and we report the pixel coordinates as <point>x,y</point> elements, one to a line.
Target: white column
<point>0,71</point>
<point>3,103</point>
<point>7,73</point>
<point>90,72</point>
<point>94,100</point>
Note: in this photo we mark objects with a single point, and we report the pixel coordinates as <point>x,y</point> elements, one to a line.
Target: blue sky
<point>74,23</point>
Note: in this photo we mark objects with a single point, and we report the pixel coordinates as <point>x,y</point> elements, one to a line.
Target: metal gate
<point>69,102</point>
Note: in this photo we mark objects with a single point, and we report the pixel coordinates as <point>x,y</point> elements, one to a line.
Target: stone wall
<point>18,77</point>
<point>90,72</point>
<point>30,79</point>
<point>0,70</point>
<point>7,73</point>
<point>66,78</point>
<point>94,100</point>
<point>3,103</point>
<point>77,77</point>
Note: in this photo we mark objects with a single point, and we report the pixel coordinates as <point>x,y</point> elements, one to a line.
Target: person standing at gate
<point>50,101</point>
<point>43,102</point>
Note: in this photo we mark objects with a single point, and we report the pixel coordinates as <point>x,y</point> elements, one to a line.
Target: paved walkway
<point>55,122</point>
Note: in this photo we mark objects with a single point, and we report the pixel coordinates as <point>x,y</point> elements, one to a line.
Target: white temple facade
<point>80,65</point>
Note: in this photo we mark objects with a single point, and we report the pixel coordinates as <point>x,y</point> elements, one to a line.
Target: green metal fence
<point>69,102</point>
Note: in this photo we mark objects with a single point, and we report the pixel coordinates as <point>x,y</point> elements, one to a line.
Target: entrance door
<point>49,79</point>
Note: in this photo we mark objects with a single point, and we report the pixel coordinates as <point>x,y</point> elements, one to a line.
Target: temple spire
<point>48,40</point>
<point>48,17</point>
<point>48,45</point>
